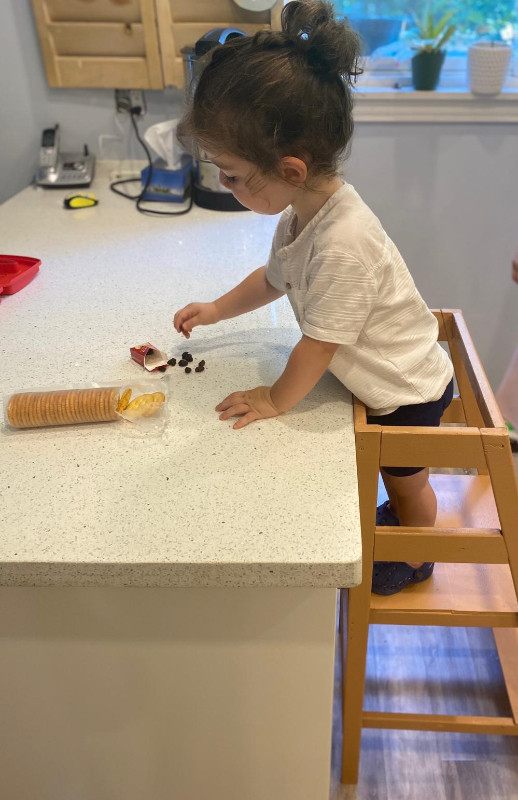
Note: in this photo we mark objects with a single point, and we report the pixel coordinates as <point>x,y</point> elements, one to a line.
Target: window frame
<point>384,92</point>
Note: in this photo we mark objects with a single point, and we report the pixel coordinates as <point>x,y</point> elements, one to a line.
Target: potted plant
<point>433,36</point>
<point>489,57</point>
<point>488,62</point>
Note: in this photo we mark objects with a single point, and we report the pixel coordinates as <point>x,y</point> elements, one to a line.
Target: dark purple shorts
<point>428,414</point>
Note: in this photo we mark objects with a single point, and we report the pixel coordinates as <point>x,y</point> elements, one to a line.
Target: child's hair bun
<point>330,47</point>
<point>279,93</point>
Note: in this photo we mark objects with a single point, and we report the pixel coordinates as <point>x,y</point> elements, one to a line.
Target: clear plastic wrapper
<point>135,405</point>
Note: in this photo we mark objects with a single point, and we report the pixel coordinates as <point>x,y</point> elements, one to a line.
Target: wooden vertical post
<point>356,629</point>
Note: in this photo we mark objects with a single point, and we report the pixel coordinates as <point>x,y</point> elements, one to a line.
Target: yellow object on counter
<point>144,405</point>
<point>80,201</point>
<point>124,401</point>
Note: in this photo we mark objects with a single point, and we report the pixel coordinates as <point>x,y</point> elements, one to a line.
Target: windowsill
<point>386,104</point>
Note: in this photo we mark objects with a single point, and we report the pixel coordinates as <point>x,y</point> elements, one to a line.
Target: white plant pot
<point>488,63</point>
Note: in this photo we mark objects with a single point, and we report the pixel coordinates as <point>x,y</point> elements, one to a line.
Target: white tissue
<point>162,139</point>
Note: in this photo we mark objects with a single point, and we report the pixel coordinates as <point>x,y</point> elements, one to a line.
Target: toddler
<point>274,113</point>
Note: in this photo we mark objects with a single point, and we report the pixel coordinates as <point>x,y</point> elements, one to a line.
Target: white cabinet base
<point>166,694</point>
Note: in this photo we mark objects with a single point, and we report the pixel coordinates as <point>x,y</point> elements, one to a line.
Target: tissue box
<point>167,185</point>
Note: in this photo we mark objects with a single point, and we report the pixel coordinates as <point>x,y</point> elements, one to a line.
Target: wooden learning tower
<point>474,542</point>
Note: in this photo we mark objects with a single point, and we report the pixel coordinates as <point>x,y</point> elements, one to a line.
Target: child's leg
<point>412,499</point>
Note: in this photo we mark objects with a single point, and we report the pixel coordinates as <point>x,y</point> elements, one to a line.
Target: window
<point>388,30</point>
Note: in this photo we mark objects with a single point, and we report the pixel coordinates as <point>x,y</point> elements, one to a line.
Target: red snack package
<point>149,357</point>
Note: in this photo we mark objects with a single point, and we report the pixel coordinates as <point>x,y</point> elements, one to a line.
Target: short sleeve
<point>341,294</point>
<point>273,273</point>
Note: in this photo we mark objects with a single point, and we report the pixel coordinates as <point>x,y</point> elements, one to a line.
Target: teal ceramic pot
<point>426,69</point>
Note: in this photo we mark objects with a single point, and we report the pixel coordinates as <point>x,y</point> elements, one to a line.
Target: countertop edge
<point>317,576</point>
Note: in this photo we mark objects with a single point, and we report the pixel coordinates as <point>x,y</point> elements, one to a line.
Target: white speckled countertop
<point>201,505</point>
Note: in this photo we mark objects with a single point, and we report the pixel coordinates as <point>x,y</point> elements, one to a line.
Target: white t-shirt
<point>347,283</point>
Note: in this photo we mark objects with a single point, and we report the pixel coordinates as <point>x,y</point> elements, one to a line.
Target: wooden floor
<point>461,667</point>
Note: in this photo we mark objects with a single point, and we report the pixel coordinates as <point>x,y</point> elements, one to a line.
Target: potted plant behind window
<point>488,63</point>
<point>433,36</point>
<point>489,57</point>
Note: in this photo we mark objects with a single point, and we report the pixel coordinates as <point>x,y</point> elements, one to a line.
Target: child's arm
<point>252,293</point>
<point>307,363</point>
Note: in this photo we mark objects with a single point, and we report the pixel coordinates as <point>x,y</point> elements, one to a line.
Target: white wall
<point>447,194</point>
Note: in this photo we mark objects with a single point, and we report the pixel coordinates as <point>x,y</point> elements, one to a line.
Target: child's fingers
<point>180,318</point>
<point>184,320</point>
<point>230,400</point>
<point>178,321</point>
<point>245,420</point>
<point>235,411</point>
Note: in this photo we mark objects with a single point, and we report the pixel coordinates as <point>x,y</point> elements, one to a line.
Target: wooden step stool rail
<point>474,541</point>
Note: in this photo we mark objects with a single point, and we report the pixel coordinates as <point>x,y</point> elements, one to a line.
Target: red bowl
<point>16,272</point>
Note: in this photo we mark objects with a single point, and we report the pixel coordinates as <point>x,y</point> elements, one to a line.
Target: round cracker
<point>13,411</point>
<point>61,409</point>
<point>90,399</point>
<point>102,404</point>
<point>24,418</point>
<point>106,403</point>
<point>19,403</point>
<point>74,404</point>
<point>112,396</point>
<point>46,416</point>
<point>82,415</point>
<point>97,405</point>
<point>30,405</point>
<point>68,406</point>
<point>35,409</point>
<point>49,409</point>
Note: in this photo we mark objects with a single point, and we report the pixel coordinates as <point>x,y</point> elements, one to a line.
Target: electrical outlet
<point>126,99</point>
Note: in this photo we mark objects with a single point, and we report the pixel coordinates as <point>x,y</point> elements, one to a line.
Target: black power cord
<point>139,197</point>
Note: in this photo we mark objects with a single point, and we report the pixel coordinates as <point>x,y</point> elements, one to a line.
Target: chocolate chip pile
<point>184,361</point>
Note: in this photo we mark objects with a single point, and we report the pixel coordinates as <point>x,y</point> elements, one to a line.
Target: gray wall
<point>447,194</point>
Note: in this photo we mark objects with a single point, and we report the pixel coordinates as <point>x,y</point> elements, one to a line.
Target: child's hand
<point>254,404</point>
<point>195,314</point>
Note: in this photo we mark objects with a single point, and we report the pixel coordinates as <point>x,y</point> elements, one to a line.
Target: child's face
<point>260,193</point>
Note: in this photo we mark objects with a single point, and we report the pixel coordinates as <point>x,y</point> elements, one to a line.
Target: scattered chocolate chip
<point>150,352</point>
<point>187,369</point>
<point>182,363</point>
<point>184,355</point>
<point>172,362</point>
<point>162,368</point>
<point>202,363</point>
<point>199,369</point>
<point>189,357</point>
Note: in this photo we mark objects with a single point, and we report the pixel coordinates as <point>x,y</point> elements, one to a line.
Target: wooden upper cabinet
<point>182,22</point>
<point>131,44</point>
<point>99,43</point>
